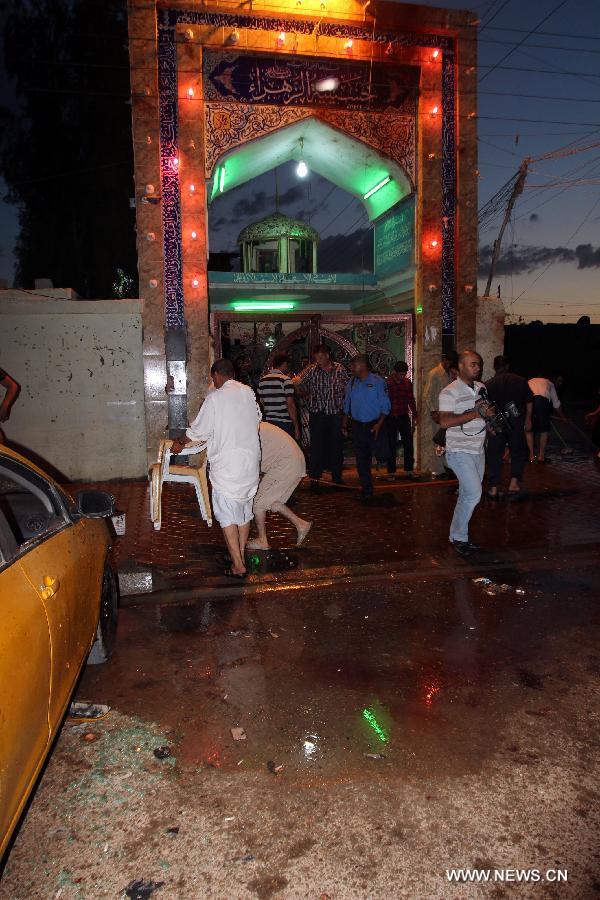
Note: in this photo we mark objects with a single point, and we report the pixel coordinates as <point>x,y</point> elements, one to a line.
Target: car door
<point>47,554</point>
<point>24,682</point>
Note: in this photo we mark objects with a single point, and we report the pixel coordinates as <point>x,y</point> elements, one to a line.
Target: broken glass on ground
<point>490,587</point>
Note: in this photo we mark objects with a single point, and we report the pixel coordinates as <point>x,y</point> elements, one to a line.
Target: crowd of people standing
<point>254,435</point>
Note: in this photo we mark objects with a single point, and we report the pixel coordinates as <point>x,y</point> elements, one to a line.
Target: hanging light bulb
<point>348,46</point>
<point>301,168</point>
<point>190,93</point>
<point>435,54</point>
<point>281,39</point>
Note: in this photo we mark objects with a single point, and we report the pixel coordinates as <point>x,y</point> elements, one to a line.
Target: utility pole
<point>517,189</point>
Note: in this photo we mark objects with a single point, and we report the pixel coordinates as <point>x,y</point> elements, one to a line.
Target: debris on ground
<point>374,755</point>
<point>238,734</point>
<point>90,736</point>
<point>273,768</point>
<point>174,830</point>
<point>142,890</point>
<point>163,752</point>
<point>490,587</point>
<point>83,711</point>
<point>246,859</point>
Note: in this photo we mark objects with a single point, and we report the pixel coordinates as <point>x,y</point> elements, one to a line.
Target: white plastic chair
<point>163,471</point>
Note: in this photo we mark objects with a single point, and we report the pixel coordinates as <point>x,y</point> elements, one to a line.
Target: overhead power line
<point>522,41</point>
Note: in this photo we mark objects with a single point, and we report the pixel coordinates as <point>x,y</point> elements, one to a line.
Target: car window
<point>30,509</point>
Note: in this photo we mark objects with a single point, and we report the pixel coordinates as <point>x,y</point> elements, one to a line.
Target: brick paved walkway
<point>409,521</point>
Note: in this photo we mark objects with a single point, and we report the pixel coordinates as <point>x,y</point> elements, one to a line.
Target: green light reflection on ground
<point>379,731</point>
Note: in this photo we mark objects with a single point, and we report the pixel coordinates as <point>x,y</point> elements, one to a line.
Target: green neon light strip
<point>377,187</point>
<point>222,179</point>
<point>257,306</point>
<point>379,731</point>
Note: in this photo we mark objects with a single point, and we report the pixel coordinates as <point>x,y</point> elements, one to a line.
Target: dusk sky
<point>541,96</point>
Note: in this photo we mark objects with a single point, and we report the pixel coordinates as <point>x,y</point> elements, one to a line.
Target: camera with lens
<point>500,419</point>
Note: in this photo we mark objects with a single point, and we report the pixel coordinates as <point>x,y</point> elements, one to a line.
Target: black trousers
<point>288,427</point>
<point>326,445</point>
<point>497,443</point>
<point>363,440</point>
<point>402,424</point>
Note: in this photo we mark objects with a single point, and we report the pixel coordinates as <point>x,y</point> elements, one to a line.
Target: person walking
<point>277,396</point>
<point>324,383</point>
<point>545,401</point>
<point>465,438</point>
<point>506,387</point>
<point>367,403</point>
<point>437,379</point>
<point>228,422</point>
<point>282,467</point>
<point>402,418</point>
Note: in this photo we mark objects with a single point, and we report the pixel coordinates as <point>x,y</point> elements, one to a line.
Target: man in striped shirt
<point>277,397</point>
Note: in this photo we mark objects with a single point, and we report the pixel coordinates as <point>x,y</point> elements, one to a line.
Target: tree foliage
<point>66,151</point>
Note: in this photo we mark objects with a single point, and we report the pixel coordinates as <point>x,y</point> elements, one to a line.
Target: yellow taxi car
<point>58,604</point>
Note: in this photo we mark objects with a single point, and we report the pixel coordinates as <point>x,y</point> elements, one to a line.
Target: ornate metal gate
<point>255,338</point>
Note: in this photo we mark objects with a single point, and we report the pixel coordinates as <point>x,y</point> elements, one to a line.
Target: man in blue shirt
<point>367,403</point>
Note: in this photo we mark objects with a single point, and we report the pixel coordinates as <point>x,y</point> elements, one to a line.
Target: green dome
<point>276,226</point>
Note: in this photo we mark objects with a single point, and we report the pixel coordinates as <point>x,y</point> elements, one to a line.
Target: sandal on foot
<point>302,533</point>
<point>256,545</point>
<point>229,573</point>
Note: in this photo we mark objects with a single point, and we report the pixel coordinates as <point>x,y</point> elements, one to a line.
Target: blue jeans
<point>469,469</point>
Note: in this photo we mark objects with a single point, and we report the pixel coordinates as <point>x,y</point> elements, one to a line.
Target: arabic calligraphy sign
<point>295,81</point>
<point>395,239</point>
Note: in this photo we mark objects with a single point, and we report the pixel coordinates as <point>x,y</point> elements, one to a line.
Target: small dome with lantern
<point>279,243</point>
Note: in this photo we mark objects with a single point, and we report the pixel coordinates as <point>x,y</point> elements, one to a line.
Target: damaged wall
<point>79,364</point>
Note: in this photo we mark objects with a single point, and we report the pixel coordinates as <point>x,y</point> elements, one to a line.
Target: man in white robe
<point>228,422</point>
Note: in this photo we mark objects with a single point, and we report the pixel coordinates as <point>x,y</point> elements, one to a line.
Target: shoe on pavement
<point>303,532</point>
<point>314,485</point>
<point>473,546</point>
<point>463,548</point>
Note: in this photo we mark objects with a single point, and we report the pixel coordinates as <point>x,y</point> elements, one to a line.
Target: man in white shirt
<point>228,422</point>
<point>545,399</point>
<point>465,439</point>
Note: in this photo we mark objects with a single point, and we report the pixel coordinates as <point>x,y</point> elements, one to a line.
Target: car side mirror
<point>95,504</point>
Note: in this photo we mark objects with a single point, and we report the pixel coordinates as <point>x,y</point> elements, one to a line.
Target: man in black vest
<point>503,388</point>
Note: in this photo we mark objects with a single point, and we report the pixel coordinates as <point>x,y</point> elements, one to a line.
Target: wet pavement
<point>401,716</point>
<point>408,521</point>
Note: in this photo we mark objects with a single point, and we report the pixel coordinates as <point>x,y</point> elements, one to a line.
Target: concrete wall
<point>489,332</point>
<point>79,364</point>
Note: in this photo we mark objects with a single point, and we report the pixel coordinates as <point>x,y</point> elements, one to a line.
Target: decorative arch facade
<point>190,108</point>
